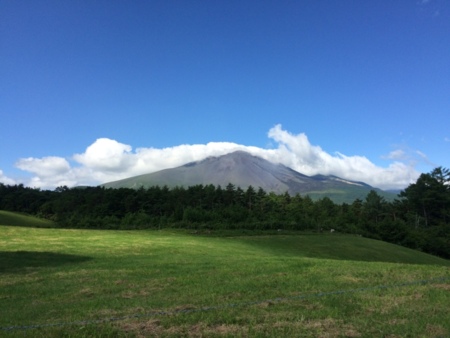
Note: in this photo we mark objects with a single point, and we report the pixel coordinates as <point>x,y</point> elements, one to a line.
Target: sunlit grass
<point>278,285</point>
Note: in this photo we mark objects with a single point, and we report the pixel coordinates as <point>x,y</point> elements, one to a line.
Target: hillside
<point>243,170</point>
<point>18,219</point>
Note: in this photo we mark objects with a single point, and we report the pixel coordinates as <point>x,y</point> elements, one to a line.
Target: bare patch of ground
<point>442,286</point>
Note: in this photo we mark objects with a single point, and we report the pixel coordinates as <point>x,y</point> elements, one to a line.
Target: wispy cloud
<point>422,155</point>
<point>107,160</point>
<point>397,155</point>
<point>430,8</point>
<point>410,156</point>
<point>424,159</point>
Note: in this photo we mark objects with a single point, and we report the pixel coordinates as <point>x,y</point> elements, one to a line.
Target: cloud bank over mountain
<point>108,160</point>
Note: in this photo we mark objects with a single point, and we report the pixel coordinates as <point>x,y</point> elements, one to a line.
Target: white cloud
<point>6,180</point>
<point>50,171</point>
<point>107,160</point>
<point>107,155</point>
<point>44,167</point>
<point>297,152</point>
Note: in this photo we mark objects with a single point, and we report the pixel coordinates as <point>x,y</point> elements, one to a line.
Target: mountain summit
<point>243,170</point>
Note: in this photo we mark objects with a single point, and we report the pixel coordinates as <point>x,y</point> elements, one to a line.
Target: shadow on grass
<point>19,261</point>
<point>345,247</point>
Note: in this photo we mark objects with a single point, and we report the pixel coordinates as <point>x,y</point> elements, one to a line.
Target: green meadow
<point>101,283</point>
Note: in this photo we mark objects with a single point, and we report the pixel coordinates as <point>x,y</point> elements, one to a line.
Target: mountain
<point>243,170</point>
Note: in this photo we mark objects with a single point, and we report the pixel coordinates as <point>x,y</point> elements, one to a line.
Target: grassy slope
<point>54,275</point>
<point>349,195</point>
<point>17,219</point>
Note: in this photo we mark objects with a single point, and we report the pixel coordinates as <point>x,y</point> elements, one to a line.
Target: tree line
<point>419,218</point>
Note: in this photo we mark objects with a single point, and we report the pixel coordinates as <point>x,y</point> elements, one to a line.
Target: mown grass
<point>277,285</point>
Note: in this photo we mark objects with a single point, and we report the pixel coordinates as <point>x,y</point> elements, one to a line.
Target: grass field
<point>74,283</point>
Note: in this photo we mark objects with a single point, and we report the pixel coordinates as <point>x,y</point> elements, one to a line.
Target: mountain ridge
<point>243,169</point>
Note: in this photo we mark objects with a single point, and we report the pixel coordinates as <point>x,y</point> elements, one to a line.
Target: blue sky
<point>93,91</point>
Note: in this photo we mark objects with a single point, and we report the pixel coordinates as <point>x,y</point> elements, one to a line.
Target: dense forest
<point>419,218</point>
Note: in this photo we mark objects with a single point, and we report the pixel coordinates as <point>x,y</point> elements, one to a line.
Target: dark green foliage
<point>420,219</point>
<point>429,198</point>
